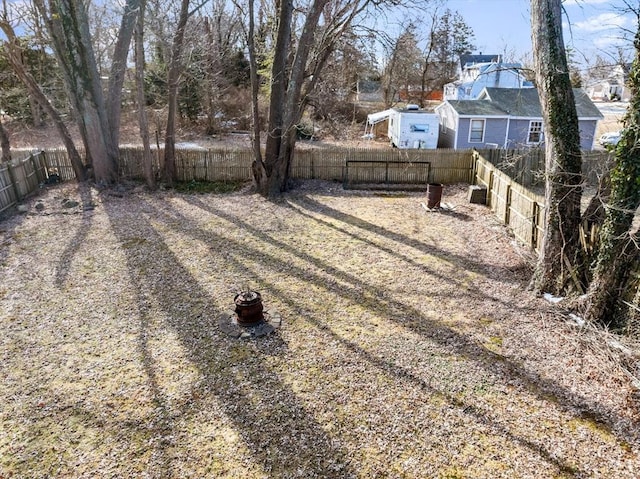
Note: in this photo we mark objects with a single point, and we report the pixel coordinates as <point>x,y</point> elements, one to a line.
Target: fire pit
<point>249,319</point>
<point>249,308</point>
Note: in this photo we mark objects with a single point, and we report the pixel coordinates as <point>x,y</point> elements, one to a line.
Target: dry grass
<point>410,346</point>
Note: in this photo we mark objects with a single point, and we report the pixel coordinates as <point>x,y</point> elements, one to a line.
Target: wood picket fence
<point>510,177</point>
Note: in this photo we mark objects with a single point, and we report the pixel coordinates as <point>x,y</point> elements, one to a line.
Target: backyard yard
<point>410,346</point>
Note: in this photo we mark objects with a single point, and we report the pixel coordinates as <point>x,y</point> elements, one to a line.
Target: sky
<point>590,26</point>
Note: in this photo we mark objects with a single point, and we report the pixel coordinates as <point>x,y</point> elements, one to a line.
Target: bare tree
<point>299,55</point>
<point>118,68</point>
<point>68,25</point>
<point>403,66</point>
<point>561,247</point>
<point>173,78</point>
<point>142,112</point>
<point>13,52</point>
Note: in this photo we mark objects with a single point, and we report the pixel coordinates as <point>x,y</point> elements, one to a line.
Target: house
<point>409,128</point>
<point>477,75</point>
<point>609,83</point>
<point>507,118</point>
<point>468,59</point>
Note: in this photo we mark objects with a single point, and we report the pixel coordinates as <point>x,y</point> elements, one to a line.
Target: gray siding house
<point>507,118</point>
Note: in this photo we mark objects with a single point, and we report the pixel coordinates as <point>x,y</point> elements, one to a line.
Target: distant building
<point>507,118</point>
<point>478,72</point>
<point>610,84</point>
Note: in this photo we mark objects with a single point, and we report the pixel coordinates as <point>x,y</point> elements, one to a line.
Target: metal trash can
<point>434,195</point>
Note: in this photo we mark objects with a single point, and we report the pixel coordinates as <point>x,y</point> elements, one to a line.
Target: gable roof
<point>468,58</point>
<point>518,102</point>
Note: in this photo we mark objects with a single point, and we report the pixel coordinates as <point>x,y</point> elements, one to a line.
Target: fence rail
<point>515,205</point>
<point>506,174</point>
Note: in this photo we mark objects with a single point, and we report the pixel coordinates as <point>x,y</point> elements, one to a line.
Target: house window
<point>476,132</point>
<point>535,132</point>
<point>420,128</point>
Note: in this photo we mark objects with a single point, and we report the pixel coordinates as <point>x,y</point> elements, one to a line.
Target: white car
<point>610,139</point>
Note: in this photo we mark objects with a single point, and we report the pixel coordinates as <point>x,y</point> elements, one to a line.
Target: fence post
<point>507,205</point>
<point>313,170</point>
<point>474,167</point>
<point>534,225</point>
<point>35,167</point>
<point>12,178</point>
<point>490,188</point>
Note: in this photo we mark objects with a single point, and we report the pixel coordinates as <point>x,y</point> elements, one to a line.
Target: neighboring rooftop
<point>470,59</point>
<point>522,102</point>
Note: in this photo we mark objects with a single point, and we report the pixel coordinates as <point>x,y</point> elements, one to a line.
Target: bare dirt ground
<point>410,347</point>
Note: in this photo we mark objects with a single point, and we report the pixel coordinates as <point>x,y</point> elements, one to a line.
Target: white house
<point>476,75</point>
<point>610,84</point>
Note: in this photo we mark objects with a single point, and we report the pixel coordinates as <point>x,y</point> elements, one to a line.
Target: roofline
<point>483,116</point>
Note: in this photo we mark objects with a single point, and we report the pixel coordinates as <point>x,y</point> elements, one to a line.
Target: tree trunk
<point>14,55</point>
<point>257,165</point>
<point>142,112</point>
<point>36,112</point>
<point>286,102</point>
<point>271,179</point>
<point>119,68</point>
<point>5,145</point>
<point>618,250</point>
<point>173,80</point>
<point>68,25</point>
<point>557,264</point>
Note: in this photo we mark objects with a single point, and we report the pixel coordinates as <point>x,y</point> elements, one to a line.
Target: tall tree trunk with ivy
<point>98,118</point>
<point>618,254</point>
<point>557,267</point>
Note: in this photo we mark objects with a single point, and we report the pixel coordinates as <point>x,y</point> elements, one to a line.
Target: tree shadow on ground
<point>64,262</point>
<point>360,292</point>
<point>280,439</point>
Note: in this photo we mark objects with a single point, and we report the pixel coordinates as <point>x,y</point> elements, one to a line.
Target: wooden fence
<point>20,178</point>
<point>506,174</point>
<point>447,166</point>
<point>28,169</point>
<point>527,166</point>
<point>514,204</point>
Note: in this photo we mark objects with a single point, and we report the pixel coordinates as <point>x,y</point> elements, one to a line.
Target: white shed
<point>413,128</point>
<point>408,128</point>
